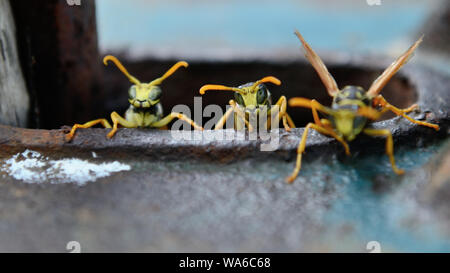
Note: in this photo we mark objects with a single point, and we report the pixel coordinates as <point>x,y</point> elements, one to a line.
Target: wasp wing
<point>384,78</point>
<point>319,66</point>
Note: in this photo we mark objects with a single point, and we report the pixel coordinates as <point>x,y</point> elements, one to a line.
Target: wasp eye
<point>155,93</point>
<point>132,92</point>
<point>262,93</point>
<point>239,99</point>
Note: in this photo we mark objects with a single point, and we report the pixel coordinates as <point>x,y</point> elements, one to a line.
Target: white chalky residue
<point>32,167</point>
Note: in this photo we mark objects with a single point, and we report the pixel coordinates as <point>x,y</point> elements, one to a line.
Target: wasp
<point>249,99</point>
<point>352,108</point>
<point>145,108</point>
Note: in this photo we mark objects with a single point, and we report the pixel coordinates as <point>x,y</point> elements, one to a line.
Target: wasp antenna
<point>270,79</point>
<point>384,78</point>
<point>218,87</point>
<point>121,68</point>
<point>169,72</point>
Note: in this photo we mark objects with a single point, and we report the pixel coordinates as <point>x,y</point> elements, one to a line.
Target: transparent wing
<point>319,66</point>
<point>384,78</point>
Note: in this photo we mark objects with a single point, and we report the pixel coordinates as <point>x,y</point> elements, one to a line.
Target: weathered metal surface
<point>206,195</point>
<point>436,192</point>
<point>415,84</point>
<point>189,205</point>
<point>14,98</point>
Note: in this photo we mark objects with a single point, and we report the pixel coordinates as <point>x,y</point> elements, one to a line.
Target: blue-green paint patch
<point>384,217</point>
<point>334,194</point>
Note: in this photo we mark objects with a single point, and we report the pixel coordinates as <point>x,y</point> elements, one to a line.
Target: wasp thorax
<point>347,123</point>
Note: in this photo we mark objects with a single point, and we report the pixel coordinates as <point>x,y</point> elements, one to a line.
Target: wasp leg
<point>282,104</point>
<point>289,120</point>
<point>223,119</point>
<point>301,146</point>
<point>370,112</point>
<point>410,109</point>
<point>381,101</point>
<point>117,119</point>
<point>389,145</point>
<point>329,131</point>
<point>324,123</point>
<point>313,105</point>
<point>103,121</point>
<point>240,114</point>
<point>171,116</point>
<point>327,125</point>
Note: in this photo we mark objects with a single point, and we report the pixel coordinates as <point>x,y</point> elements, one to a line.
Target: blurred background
<point>60,47</point>
<point>248,29</point>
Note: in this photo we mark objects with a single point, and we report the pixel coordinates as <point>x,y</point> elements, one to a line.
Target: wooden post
<point>60,59</point>
<point>14,99</point>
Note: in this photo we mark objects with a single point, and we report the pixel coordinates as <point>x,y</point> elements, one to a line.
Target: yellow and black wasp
<point>145,108</point>
<point>249,99</point>
<point>352,108</point>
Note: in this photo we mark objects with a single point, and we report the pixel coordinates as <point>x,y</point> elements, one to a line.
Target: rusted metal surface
<point>415,84</point>
<point>60,59</point>
<point>197,205</point>
<point>206,195</point>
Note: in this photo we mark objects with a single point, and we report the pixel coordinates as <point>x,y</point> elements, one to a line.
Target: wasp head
<point>251,96</point>
<point>144,95</point>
